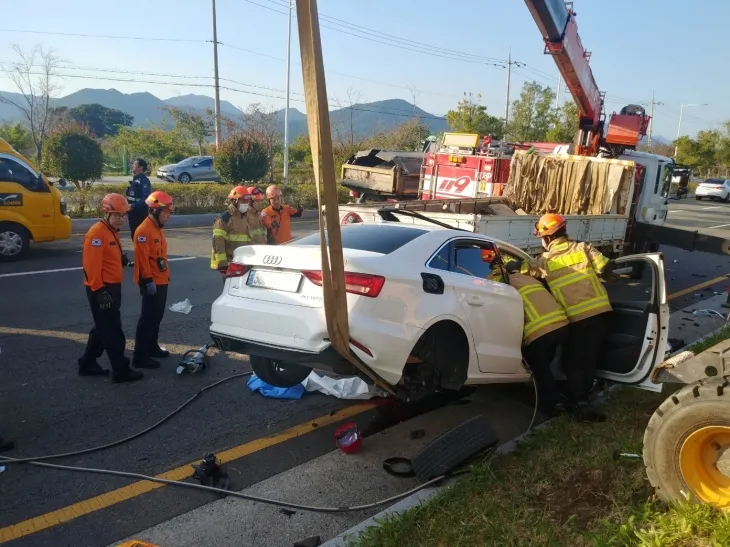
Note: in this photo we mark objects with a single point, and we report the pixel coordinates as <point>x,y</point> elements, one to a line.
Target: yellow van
<point>31,208</point>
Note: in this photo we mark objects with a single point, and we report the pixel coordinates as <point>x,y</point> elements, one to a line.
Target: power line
<point>104,36</point>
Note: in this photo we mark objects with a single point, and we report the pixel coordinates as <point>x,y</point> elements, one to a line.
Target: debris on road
<point>182,307</point>
<point>353,388</point>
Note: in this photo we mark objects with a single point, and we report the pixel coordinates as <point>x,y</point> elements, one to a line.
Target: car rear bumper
<point>711,192</point>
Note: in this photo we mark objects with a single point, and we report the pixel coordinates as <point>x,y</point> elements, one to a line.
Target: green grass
<point>561,487</point>
<point>702,345</point>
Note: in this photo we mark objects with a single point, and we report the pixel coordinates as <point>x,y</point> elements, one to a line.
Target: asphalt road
<point>46,408</point>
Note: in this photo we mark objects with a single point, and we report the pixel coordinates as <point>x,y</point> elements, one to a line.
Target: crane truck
<point>614,197</point>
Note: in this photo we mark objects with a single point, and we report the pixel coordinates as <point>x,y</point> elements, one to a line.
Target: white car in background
<point>714,189</point>
<point>422,315</point>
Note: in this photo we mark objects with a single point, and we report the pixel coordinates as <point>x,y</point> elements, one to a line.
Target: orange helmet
<point>114,203</point>
<point>488,255</point>
<point>255,193</point>
<point>273,191</point>
<point>239,192</point>
<point>548,225</point>
<point>159,200</point>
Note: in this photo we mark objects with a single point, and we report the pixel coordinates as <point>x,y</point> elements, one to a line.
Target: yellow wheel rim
<point>698,462</point>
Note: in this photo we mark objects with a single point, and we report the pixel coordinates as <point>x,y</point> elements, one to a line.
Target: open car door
<point>637,339</point>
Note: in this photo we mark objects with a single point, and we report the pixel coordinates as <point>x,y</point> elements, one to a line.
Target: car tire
<point>14,241</point>
<point>455,448</point>
<point>726,198</point>
<point>692,411</point>
<point>279,374</point>
<point>698,198</point>
<point>184,178</point>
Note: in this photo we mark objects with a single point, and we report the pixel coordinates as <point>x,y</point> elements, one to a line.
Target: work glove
<point>126,263</point>
<point>607,272</point>
<point>150,288</point>
<point>104,300</point>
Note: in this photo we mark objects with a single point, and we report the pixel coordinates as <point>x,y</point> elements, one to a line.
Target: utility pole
<point>286,112</point>
<point>509,74</point>
<point>651,115</point>
<point>557,97</point>
<point>217,83</point>
<point>679,125</point>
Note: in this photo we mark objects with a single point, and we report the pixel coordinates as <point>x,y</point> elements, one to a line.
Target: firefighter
<point>152,274</point>
<point>546,328</point>
<point>277,216</point>
<point>103,262</point>
<point>257,198</point>
<point>137,192</point>
<point>572,270</point>
<point>238,226</point>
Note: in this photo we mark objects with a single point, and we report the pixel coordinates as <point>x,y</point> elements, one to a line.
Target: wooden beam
<point>320,135</point>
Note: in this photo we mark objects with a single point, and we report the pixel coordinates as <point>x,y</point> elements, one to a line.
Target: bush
<point>241,159</point>
<point>189,198</point>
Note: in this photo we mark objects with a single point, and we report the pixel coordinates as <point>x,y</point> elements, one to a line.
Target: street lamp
<point>679,125</point>
<point>286,111</point>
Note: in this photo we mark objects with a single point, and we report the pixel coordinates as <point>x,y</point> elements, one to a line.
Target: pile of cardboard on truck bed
<point>569,185</point>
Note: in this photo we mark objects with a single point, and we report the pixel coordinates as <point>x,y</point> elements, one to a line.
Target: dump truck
<point>381,175</point>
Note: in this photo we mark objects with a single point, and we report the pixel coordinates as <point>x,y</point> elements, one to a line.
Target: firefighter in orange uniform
<point>152,275</point>
<point>572,270</point>
<point>103,261</point>
<point>277,216</point>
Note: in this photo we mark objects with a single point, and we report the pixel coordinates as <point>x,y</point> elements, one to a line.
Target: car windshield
<point>376,238</point>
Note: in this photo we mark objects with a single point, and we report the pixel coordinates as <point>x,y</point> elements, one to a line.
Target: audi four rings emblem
<point>272,260</point>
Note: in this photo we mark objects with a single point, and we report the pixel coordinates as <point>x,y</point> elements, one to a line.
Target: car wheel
<point>278,373</point>
<point>686,444</point>
<point>184,178</point>
<point>455,448</point>
<point>726,198</point>
<point>14,241</point>
<point>698,198</point>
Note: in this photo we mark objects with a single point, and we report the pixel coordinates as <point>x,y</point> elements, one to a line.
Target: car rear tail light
<point>237,270</point>
<point>354,194</point>
<point>355,283</point>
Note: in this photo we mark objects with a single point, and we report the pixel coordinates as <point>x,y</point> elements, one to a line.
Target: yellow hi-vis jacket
<point>571,269</point>
<point>542,313</point>
<point>232,230</point>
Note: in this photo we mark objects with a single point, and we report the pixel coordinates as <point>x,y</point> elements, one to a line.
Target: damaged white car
<point>422,314</point>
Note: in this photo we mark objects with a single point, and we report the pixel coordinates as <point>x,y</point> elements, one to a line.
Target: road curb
<point>82,225</point>
<point>426,494</point>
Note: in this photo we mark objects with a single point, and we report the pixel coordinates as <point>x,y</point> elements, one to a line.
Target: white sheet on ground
<point>342,388</point>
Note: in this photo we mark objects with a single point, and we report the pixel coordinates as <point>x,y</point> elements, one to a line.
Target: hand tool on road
<point>194,360</point>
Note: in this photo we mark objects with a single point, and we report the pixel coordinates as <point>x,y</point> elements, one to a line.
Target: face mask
<point>243,208</point>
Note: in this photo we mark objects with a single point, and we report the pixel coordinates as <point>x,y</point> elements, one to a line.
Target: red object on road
<point>348,438</point>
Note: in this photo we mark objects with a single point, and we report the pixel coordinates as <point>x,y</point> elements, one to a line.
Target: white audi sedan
<point>422,314</point>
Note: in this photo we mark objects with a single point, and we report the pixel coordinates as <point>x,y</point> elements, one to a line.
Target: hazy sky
<point>381,48</point>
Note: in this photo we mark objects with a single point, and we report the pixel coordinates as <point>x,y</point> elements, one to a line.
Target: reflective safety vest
<point>571,269</point>
<point>232,230</point>
<point>542,313</point>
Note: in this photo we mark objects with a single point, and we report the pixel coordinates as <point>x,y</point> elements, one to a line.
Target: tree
<point>472,117</point>
<point>532,114</point>
<point>34,77</point>
<point>300,150</point>
<point>75,156</point>
<point>195,127</point>
<point>566,124</point>
<point>261,125</point>
<point>344,133</point>
<point>18,136</point>
<point>100,120</point>
<point>241,159</point>
<point>406,136</point>
<point>154,145</point>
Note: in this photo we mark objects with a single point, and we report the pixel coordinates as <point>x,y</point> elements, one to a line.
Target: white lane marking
<point>718,226</point>
<point>58,270</point>
<point>708,208</point>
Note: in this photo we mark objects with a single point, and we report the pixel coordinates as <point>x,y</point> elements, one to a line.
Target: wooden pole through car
<point>318,121</point>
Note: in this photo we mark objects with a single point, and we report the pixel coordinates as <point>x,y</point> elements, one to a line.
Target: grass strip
<point>560,487</point>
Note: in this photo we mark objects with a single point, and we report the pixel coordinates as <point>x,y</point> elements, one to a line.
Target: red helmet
<point>114,203</point>
<point>239,192</point>
<point>548,225</point>
<point>160,200</point>
<point>273,191</point>
<point>255,193</point>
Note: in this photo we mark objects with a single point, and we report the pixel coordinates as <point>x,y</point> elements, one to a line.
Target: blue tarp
<point>257,384</point>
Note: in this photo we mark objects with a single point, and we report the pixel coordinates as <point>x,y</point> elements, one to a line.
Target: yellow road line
<point>699,286</point>
<point>97,503</point>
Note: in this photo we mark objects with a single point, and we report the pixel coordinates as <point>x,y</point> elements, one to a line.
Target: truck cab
<point>31,208</point>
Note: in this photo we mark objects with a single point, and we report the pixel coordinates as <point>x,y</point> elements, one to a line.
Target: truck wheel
<point>14,241</point>
<point>278,374</point>
<point>687,444</point>
<point>455,448</point>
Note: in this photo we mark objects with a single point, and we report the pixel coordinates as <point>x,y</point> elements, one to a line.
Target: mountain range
<point>366,119</point>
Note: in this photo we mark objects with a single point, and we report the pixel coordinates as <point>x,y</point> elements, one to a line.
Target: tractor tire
<point>455,448</point>
<point>687,444</point>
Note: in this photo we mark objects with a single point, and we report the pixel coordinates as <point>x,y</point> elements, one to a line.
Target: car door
<point>25,197</point>
<point>493,310</point>
<point>203,169</point>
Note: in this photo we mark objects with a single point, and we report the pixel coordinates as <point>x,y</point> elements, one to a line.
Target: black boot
<point>159,353</point>
<point>6,445</point>
<point>586,412</point>
<point>145,362</point>
<point>92,369</point>
<point>129,375</point>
